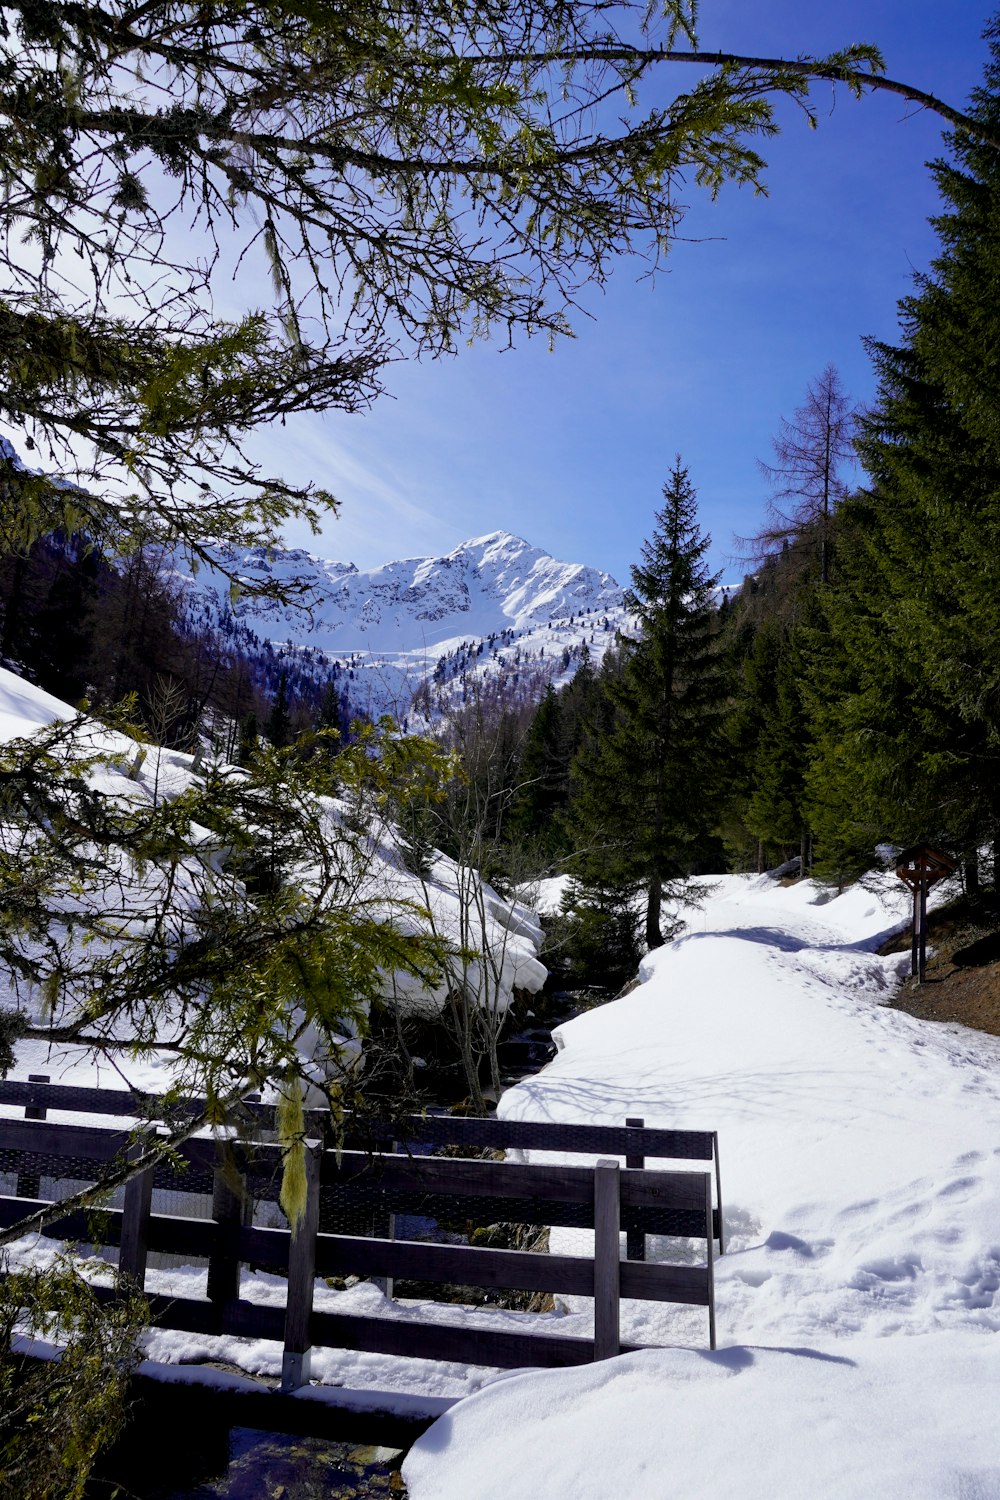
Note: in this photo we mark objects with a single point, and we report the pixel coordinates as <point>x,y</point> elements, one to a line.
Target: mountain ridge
<point>495,609</point>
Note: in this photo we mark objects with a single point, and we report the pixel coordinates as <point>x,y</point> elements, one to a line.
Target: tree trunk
<point>654,901</point>
<point>970,868</point>
<point>494,1056</point>
<point>467,1050</point>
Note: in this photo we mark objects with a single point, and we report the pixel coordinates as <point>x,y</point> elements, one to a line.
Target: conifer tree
<point>807,476</point>
<point>771,635</point>
<point>596,938</point>
<point>279,724</point>
<point>329,716</point>
<point>132,624</point>
<point>772,630</point>
<point>543,777</point>
<point>649,790</point>
<point>910,743</point>
<point>776,809</point>
<point>249,741</point>
<point>579,700</point>
<point>577,715</point>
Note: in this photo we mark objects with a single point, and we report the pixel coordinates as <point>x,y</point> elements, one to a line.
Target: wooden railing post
<point>134,1246</point>
<point>296,1358</point>
<point>36,1111</point>
<point>231,1207</point>
<point>718,1191</point>
<point>711,1261</point>
<point>384,1228</point>
<point>635,1240</point>
<point>29,1184</point>
<point>607,1276</point>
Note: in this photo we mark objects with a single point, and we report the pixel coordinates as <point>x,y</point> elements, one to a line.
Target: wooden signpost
<point>920,867</point>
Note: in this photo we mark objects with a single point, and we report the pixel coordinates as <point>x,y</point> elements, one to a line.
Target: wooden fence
<point>366,1190</point>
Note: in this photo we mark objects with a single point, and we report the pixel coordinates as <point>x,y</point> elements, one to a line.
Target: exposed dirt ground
<point>962,982</point>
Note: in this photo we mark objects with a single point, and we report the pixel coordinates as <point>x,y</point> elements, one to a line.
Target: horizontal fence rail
<point>362,1194</point>
<point>415,1134</point>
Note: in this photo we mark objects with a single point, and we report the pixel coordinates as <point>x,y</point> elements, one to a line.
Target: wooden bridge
<point>360,1203</point>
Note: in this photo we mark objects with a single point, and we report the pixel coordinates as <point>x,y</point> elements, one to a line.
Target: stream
<point>239,1463</point>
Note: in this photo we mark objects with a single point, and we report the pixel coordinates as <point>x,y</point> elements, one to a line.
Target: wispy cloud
<point>379,516</point>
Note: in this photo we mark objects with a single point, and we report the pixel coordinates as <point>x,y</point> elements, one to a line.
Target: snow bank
<point>860,1290</point>
<point>467,913</point>
<point>886,1420</point>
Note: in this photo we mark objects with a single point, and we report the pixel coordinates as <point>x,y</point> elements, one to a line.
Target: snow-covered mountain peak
<point>488,584</point>
<point>494,604</point>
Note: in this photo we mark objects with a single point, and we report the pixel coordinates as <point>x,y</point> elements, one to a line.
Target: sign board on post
<point>920,867</point>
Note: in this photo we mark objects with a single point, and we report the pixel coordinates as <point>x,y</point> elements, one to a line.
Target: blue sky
<point>570,448</point>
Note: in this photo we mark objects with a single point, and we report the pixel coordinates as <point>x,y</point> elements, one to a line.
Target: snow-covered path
<point>860,1155</point>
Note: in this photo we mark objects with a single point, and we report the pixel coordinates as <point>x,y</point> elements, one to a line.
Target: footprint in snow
<point>852,1211</point>
<point>961,1188</point>
<point>778,1239</point>
<point>886,1269</point>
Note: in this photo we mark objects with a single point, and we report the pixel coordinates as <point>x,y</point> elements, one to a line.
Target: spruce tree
<point>249,741</point>
<point>544,806</point>
<point>772,636</point>
<point>278,728</point>
<point>595,942</point>
<point>543,778</point>
<point>775,814</point>
<point>649,789</point>
<point>910,743</point>
<point>329,715</point>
